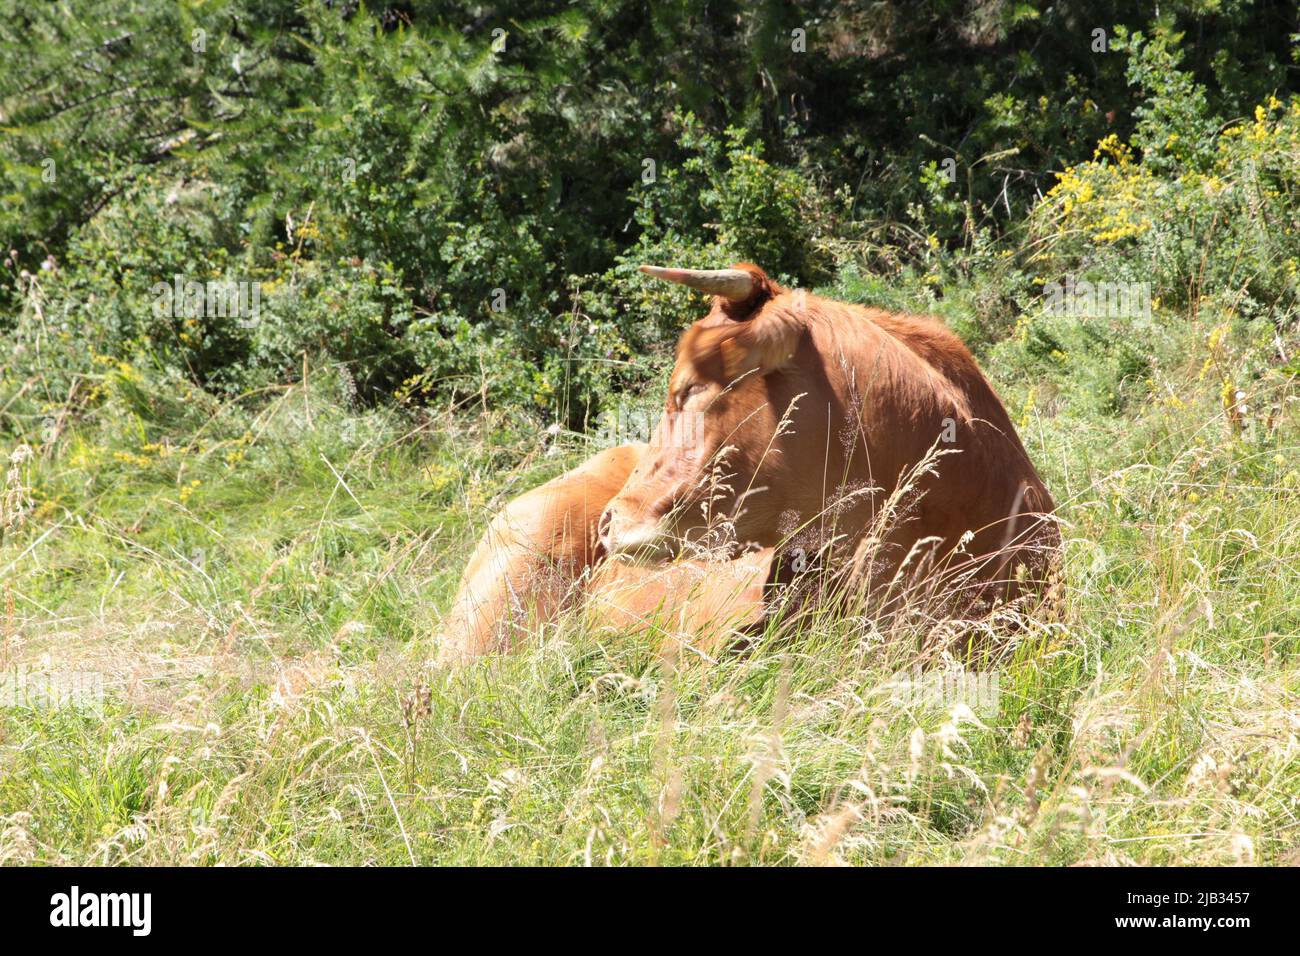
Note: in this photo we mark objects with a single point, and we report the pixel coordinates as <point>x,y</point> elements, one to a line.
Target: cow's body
<point>534,550</point>
<point>866,396</point>
<point>702,604</point>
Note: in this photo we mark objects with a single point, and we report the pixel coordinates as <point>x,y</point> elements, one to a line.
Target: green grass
<point>264,636</point>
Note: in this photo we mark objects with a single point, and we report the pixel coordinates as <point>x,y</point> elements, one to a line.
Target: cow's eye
<point>685,394</point>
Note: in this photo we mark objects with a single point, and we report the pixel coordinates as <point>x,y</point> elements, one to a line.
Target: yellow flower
<point>1029,407</point>
<point>1227,392</point>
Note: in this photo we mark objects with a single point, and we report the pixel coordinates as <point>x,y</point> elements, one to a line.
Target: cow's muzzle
<point>625,536</point>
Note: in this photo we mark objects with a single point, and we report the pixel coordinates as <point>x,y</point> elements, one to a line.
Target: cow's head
<point>719,450</point>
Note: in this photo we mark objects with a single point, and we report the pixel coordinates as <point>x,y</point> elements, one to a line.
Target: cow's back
<point>985,500</point>
<point>976,524</point>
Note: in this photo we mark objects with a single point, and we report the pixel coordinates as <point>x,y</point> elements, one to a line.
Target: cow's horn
<point>734,284</point>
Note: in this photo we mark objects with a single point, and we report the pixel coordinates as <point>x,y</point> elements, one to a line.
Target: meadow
<point>261,590</point>
<point>246,530</point>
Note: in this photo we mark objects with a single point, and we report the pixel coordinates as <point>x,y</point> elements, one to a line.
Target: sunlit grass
<point>265,639</point>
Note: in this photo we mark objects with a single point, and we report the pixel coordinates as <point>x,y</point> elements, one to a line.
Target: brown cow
<point>532,553</point>
<point>790,419</point>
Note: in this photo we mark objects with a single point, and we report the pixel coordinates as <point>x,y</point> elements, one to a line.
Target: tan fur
<point>525,565</point>
<point>702,604</point>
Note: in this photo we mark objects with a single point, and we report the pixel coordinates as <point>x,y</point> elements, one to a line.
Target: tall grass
<point>259,581</point>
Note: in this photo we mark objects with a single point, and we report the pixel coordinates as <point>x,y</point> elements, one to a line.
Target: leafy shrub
<point>1219,213</point>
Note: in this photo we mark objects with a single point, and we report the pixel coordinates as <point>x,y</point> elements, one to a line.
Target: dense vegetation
<point>248,522</point>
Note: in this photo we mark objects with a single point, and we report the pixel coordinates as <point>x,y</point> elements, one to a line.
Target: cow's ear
<point>761,289</point>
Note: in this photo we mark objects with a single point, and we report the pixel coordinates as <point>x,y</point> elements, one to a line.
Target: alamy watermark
<point>216,298</point>
<point>1082,299</point>
<point>627,423</point>
<point>39,690</point>
<point>978,690</point>
<point>133,911</point>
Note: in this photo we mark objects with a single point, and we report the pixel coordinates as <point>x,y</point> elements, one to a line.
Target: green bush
<point>452,203</point>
